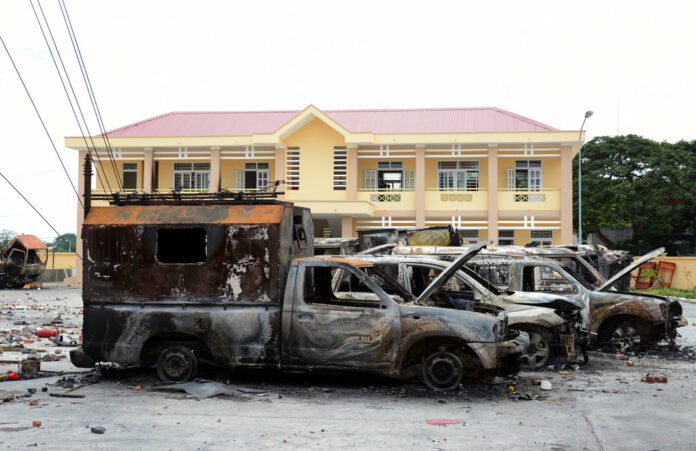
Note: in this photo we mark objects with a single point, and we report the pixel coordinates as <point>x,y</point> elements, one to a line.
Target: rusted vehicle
<point>22,261</point>
<point>626,321</point>
<point>548,328</point>
<point>429,236</point>
<point>171,283</point>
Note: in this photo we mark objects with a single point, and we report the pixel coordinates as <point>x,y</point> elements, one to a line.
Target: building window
<point>370,180</point>
<point>458,175</point>
<point>469,236</point>
<point>409,179</point>
<point>292,168</point>
<point>506,237</point>
<point>255,176</point>
<point>526,176</point>
<point>390,175</point>
<point>542,237</point>
<point>130,176</point>
<point>339,168</point>
<point>194,176</point>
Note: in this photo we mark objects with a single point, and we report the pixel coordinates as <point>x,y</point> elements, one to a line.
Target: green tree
<point>630,181</point>
<point>62,241</point>
<point>6,236</point>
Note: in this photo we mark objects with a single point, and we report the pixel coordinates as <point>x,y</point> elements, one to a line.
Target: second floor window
<point>255,176</point>
<point>389,175</point>
<point>192,176</point>
<point>130,176</point>
<point>458,175</point>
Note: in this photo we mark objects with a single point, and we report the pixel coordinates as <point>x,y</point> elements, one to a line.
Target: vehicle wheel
<point>442,371</point>
<point>537,353</point>
<point>176,364</point>
<point>625,338</point>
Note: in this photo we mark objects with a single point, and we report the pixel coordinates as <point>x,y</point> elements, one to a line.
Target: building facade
<point>492,174</point>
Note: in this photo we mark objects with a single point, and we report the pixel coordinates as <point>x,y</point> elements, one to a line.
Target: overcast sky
<point>630,61</point>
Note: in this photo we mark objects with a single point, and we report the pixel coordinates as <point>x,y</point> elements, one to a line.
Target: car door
<point>341,330</point>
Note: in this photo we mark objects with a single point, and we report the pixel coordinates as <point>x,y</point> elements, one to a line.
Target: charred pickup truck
<point>624,320</point>
<point>22,261</point>
<point>232,283</point>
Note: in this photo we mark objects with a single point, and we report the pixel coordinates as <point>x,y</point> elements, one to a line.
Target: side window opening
<point>299,232</point>
<point>317,289</point>
<point>181,245</point>
<point>546,280</point>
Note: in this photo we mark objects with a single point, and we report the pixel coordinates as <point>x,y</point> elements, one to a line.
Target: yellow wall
<point>316,141</point>
<point>685,274</point>
<point>61,260</point>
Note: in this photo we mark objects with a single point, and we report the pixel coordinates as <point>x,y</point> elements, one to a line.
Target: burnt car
<point>548,328</point>
<point>626,321</point>
<point>173,282</point>
<point>22,261</point>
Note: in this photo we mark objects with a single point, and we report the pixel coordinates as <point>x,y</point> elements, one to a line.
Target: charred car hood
<point>542,299</point>
<point>472,326</point>
<point>628,269</point>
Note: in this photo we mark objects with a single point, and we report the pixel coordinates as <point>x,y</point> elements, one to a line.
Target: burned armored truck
<point>173,282</point>
<point>22,261</point>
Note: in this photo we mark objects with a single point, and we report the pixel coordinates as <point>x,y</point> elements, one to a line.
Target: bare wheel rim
<point>625,338</point>
<point>176,364</point>
<point>443,371</point>
<point>537,352</point>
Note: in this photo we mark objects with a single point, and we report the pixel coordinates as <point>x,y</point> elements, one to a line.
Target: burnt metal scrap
<point>22,261</point>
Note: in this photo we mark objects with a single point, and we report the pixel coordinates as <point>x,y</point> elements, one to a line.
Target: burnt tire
<point>442,371</point>
<point>625,338</point>
<point>538,352</point>
<point>177,364</point>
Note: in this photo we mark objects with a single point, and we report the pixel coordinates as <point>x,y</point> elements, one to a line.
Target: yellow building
<point>492,174</point>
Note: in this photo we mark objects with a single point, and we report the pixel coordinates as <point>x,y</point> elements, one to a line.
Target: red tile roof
<point>240,123</point>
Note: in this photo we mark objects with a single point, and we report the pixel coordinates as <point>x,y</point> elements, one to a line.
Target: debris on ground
<point>206,389</point>
<point>650,379</point>
<point>442,422</point>
<point>545,385</point>
<point>98,429</point>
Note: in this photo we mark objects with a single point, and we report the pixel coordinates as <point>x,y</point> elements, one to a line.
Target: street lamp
<point>587,115</point>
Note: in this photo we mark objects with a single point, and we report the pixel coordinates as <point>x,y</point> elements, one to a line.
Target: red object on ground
<point>442,421</point>
<point>649,379</point>
<point>45,333</point>
<point>12,376</point>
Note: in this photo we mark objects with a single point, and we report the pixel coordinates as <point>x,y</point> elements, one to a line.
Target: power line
<point>48,27</point>
<point>88,84</point>
<point>38,213</point>
<point>41,120</point>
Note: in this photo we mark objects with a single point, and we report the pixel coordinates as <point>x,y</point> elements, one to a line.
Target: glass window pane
<point>397,165</point>
<point>521,164</point>
<point>262,165</point>
<point>447,165</point>
<point>182,166</point>
<point>130,166</point>
<point>130,180</point>
<point>383,165</point>
<point>535,164</point>
<point>249,165</point>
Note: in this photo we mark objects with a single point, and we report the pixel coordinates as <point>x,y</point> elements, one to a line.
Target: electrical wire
<point>38,213</point>
<point>41,120</point>
<point>88,84</point>
<point>67,76</point>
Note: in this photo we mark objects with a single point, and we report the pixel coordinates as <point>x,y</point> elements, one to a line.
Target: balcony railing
<point>515,199</point>
<point>385,195</point>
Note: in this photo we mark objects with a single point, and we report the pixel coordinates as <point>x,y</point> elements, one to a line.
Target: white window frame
<point>391,167</point>
<point>542,240</point>
<point>130,170</point>
<point>534,180</point>
<point>198,177</point>
<point>262,176</point>
<point>370,180</point>
<point>459,178</point>
<point>409,180</point>
<point>506,238</point>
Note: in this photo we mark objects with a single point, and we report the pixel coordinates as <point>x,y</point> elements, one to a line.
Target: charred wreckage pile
<point>233,281</point>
